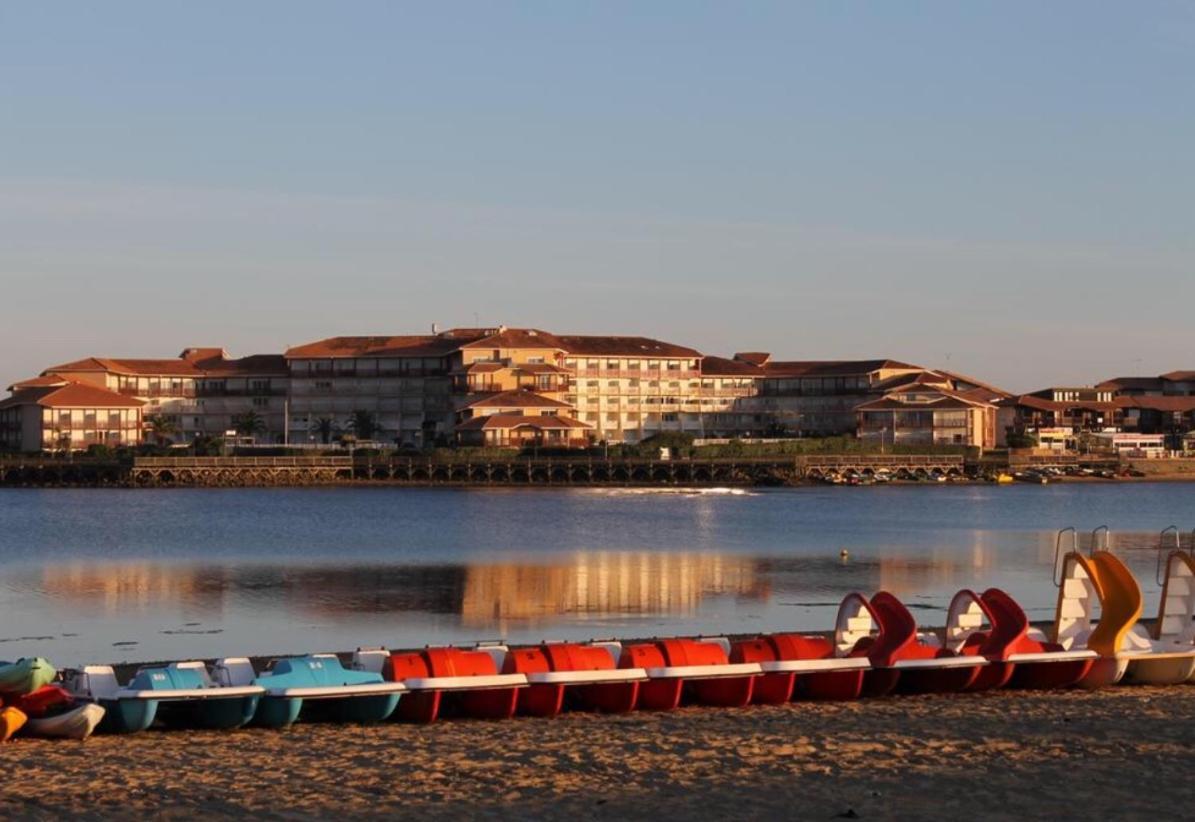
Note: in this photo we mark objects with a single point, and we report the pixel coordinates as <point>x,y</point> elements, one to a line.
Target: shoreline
<point>1006,754</point>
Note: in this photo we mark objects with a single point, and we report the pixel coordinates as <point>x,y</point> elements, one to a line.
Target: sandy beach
<point>1120,753</point>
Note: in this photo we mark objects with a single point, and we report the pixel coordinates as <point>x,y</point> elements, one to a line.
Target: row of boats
<point>877,649</point>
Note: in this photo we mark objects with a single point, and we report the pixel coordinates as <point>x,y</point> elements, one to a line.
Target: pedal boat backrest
<point>233,672</point>
<point>898,629</point>
<point>1009,624</point>
<point>93,681</point>
<point>1176,608</point>
<point>856,622</point>
<point>1120,604</point>
<point>967,616</point>
<point>372,659</point>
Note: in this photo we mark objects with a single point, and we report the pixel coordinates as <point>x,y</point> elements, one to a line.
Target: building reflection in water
<point>572,587</point>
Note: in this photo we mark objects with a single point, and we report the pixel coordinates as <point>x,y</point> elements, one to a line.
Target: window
<point>632,365</point>
<point>669,417</point>
<point>261,402</point>
<point>612,384</point>
<point>535,360</point>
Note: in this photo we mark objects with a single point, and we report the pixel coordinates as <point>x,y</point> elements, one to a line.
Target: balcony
<point>129,391</point>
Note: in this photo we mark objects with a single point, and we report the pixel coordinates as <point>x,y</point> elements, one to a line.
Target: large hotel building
<point>497,386</point>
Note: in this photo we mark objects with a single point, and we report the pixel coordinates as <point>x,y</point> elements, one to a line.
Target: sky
<point>998,188</point>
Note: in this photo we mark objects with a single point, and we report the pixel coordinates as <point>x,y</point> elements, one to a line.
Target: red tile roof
<point>129,367</point>
<point>256,365</point>
<point>425,345</point>
<point>511,421</point>
<point>593,346</point>
<point>1123,383</point>
<point>753,357</point>
<point>513,338</point>
<point>1179,376</point>
<point>1179,404</point>
<point>722,367</point>
<point>71,395</point>
<point>831,368</point>
<point>39,382</point>
<point>516,399</point>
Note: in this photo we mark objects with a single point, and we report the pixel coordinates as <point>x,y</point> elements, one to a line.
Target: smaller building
<point>1133,445</point>
<point>53,413</point>
<point>928,414</point>
<point>521,418</point>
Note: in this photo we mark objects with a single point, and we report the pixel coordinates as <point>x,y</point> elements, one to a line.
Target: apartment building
<point>518,386</point>
<point>55,413</point>
<point>201,392</point>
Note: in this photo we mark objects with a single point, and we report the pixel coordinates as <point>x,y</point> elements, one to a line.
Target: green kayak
<point>25,675</point>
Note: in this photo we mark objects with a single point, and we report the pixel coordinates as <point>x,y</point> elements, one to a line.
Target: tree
<point>249,424</point>
<point>325,427</point>
<point>363,424</point>
<point>160,427</point>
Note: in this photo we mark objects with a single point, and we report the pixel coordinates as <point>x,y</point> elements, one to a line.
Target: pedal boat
<point>1176,608</point>
<point>181,695</point>
<point>698,671</point>
<point>1102,580</point>
<point>1161,656</point>
<point>25,675</point>
<point>798,666</point>
<point>315,687</point>
<point>446,681</point>
<point>53,712</point>
<point>585,677</point>
<point>1015,658</point>
<point>902,660</point>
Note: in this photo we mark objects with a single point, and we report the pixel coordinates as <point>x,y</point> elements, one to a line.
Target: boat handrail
<point>1160,567</point>
<point>1096,533</point>
<point>1056,576</point>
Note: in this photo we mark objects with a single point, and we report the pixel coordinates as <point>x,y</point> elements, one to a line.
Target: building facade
<point>57,414</point>
<point>519,386</point>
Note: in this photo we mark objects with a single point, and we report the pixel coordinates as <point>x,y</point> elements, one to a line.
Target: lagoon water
<point>123,575</point>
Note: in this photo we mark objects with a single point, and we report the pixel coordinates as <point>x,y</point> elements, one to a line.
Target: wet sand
<point>1120,753</point>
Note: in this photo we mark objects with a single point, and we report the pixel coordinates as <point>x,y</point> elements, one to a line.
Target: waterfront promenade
<point>510,470</point>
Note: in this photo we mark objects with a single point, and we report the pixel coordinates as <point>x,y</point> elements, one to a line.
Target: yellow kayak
<point>11,721</point>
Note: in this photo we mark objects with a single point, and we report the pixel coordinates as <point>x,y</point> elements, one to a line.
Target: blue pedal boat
<point>180,695</point>
<point>317,687</point>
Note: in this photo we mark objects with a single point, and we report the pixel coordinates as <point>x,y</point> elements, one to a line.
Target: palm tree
<point>160,428</point>
<point>325,427</point>
<point>363,424</point>
<point>249,424</point>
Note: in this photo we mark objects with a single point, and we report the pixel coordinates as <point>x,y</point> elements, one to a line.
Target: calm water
<point>112,575</point>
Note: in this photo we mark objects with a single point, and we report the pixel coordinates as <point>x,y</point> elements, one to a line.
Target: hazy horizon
<point>1001,190</point>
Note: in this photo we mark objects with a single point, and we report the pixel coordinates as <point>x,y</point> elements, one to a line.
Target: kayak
<point>77,723</point>
<point>25,675</point>
<point>53,712</point>
<point>11,721</point>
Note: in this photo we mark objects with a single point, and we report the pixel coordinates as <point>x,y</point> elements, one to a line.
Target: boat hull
<point>1049,675</point>
<point>936,680</point>
<point>279,712</point>
<point>208,714</point>
<point>1166,671</point>
<point>77,723</point>
<point>834,686</point>
<point>126,716</point>
<point>1104,671</point>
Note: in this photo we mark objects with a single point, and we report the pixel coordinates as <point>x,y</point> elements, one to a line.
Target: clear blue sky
<point>1002,188</point>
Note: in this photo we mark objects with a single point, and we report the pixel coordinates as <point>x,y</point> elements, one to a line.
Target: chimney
<point>436,329</point>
